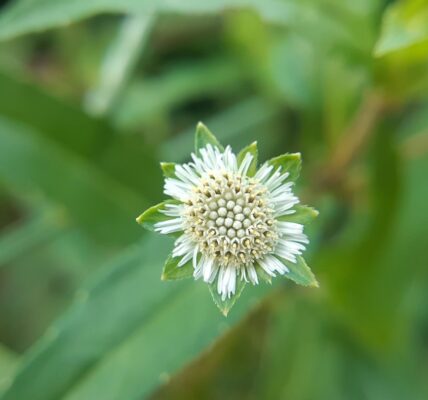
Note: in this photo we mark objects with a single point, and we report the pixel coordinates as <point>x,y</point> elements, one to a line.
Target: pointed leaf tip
<point>226,305</point>
<point>168,169</point>
<point>203,137</point>
<point>153,215</point>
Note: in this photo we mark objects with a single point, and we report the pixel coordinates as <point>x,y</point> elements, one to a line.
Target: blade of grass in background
<point>119,63</point>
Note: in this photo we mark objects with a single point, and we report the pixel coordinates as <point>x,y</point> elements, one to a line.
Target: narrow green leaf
<point>168,169</point>
<point>171,270</point>
<point>226,305</point>
<point>303,215</point>
<point>204,137</point>
<point>300,273</point>
<point>252,149</point>
<point>289,162</point>
<point>119,62</point>
<point>154,214</point>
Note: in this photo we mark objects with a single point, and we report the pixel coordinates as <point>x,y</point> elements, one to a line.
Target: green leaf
<point>31,234</point>
<point>154,214</point>
<point>26,164</point>
<point>8,362</point>
<point>215,76</point>
<point>171,271</point>
<point>289,162</point>
<point>252,149</point>
<point>226,305</point>
<point>23,16</point>
<point>300,272</point>
<point>109,341</point>
<point>168,169</point>
<point>303,215</point>
<point>204,137</point>
<point>405,23</point>
<point>91,139</point>
<point>119,63</point>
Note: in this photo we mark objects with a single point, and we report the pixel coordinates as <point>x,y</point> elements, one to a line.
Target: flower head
<point>234,224</point>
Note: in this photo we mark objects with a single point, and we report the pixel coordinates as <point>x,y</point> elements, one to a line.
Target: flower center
<point>230,219</point>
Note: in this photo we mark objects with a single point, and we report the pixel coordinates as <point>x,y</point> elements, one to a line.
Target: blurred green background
<point>94,93</point>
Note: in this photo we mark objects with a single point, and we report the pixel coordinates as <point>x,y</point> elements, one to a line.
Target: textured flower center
<point>230,219</point>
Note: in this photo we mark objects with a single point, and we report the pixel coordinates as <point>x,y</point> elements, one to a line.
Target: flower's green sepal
<point>154,214</point>
<point>227,304</point>
<point>303,215</point>
<point>203,137</point>
<point>252,149</point>
<point>289,162</point>
<point>300,273</point>
<point>168,169</point>
<point>171,270</point>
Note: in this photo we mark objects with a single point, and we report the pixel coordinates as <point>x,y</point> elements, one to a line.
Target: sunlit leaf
<point>168,169</point>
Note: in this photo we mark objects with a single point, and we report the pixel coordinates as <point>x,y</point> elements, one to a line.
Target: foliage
<point>90,103</point>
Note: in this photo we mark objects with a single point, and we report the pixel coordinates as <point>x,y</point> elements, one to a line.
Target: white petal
<point>195,257</point>
<point>209,270</point>
<point>263,172</point>
<point>183,245</point>
<point>172,210</point>
<point>187,174</point>
<point>275,180</point>
<point>272,265</point>
<point>177,189</point>
<point>245,164</point>
<point>229,160</point>
<point>169,226</point>
<point>185,259</point>
<point>226,283</point>
<point>252,274</point>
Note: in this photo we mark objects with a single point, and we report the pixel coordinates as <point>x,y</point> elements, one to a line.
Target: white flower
<point>231,223</point>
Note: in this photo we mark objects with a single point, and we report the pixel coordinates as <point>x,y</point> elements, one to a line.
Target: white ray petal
<point>245,164</point>
<point>169,226</point>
